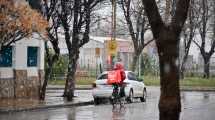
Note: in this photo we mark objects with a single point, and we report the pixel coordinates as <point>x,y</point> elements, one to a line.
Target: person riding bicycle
<point>118,76</point>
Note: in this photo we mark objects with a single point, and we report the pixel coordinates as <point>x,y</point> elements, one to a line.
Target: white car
<point>134,88</point>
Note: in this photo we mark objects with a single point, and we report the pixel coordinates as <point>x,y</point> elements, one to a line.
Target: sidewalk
<point>89,87</point>
<point>78,87</point>
<point>53,100</point>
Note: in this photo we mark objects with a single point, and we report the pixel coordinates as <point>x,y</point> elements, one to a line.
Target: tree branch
<point>197,44</point>
<point>148,42</point>
<point>126,7</point>
<point>153,16</point>
<point>180,15</point>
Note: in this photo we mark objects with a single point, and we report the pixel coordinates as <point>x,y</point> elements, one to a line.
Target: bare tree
<point>137,26</point>
<point>50,12</point>
<point>188,34</point>
<point>205,10</point>
<point>167,41</point>
<point>76,18</point>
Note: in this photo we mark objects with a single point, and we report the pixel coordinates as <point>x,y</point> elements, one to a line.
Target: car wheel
<point>143,99</point>
<point>130,98</point>
<point>96,101</point>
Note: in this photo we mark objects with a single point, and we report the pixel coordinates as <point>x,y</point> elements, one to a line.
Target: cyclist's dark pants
<point>121,91</point>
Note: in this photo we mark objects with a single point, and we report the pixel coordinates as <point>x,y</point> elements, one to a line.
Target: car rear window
<point>132,76</point>
<point>103,76</point>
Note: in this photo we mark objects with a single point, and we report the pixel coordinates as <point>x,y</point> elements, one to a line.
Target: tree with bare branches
<point>188,35</point>
<point>137,25</point>
<point>205,8</point>
<point>50,9</point>
<point>75,17</point>
<point>167,41</point>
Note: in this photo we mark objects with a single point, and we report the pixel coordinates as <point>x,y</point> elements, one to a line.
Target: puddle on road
<point>197,95</point>
<point>191,101</point>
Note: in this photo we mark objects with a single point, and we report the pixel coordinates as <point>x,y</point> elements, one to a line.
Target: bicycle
<point>116,98</point>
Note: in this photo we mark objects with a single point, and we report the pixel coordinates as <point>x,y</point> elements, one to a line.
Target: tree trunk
<point>167,10</point>
<point>135,60</point>
<point>186,51</point>
<point>183,66</point>
<point>167,41</point>
<point>81,13</point>
<point>51,60</point>
<point>48,72</point>
<point>169,104</point>
<point>182,72</point>
<point>206,68</point>
<point>65,87</point>
<point>73,57</point>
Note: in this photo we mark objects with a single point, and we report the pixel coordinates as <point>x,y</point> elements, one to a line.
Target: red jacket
<point>116,76</point>
<point>119,66</point>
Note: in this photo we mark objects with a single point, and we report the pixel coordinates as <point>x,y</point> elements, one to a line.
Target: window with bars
<point>6,57</point>
<point>32,56</point>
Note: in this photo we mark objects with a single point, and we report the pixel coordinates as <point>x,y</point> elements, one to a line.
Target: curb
<point>83,87</point>
<point>47,107</point>
<point>198,90</point>
<point>188,88</point>
<point>57,88</point>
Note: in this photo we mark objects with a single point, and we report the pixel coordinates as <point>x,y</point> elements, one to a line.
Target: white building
<point>22,69</point>
<point>90,59</point>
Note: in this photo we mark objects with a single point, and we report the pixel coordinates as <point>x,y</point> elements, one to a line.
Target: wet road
<point>195,106</point>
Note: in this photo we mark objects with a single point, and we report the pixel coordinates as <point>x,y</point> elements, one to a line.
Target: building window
<point>32,56</point>
<point>6,57</point>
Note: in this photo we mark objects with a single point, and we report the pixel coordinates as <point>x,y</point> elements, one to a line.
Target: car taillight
<point>94,85</point>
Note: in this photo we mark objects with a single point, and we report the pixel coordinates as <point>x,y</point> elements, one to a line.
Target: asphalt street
<point>195,106</point>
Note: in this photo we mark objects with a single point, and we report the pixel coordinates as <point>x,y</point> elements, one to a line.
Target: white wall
<point>87,56</point>
<point>6,73</point>
<point>20,57</point>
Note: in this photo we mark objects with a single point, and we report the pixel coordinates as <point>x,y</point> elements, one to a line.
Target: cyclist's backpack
<point>114,77</point>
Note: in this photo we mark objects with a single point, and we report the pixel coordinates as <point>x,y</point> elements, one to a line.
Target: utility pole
<point>113,31</point>
<point>113,34</point>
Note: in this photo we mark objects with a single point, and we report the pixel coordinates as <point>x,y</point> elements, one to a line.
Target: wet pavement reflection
<point>195,106</point>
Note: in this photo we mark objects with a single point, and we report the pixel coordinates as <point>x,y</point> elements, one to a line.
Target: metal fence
<point>80,75</point>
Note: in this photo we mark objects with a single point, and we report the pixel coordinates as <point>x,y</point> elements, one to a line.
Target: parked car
<point>134,88</point>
